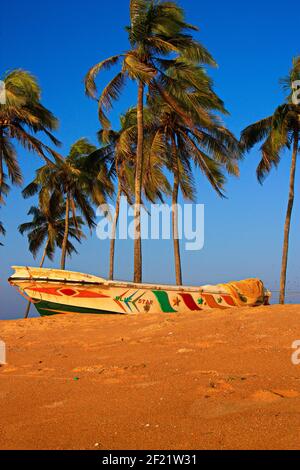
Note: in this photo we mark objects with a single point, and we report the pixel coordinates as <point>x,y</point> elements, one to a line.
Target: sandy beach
<point>217,380</point>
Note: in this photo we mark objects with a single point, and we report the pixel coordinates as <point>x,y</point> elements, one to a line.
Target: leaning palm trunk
<point>177,259</point>
<point>175,232</point>
<point>113,234</point>
<point>41,265</point>
<point>66,235</point>
<point>138,186</point>
<point>288,219</point>
<point>1,163</point>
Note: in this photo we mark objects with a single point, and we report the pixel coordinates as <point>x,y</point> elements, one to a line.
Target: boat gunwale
<point>106,283</point>
<point>98,281</point>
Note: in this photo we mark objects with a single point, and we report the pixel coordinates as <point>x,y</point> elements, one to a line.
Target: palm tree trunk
<point>138,186</point>
<point>288,219</point>
<point>41,265</point>
<point>113,234</point>
<point>175,192</point>
<point>1,164</point>
<point>66,235</point>
<point>44,255</point>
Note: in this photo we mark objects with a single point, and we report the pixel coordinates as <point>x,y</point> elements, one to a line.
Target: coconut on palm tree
<point>279,132</point>
<point>79,188</point>
<point>158,34</point>
<point>22,116</point>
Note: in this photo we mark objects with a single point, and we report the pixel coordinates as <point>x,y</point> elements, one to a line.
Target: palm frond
<point>110,93</point>
<point>90,84</point>
<point>256,132</point>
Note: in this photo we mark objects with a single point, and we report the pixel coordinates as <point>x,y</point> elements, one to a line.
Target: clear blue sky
<point>253,43</point>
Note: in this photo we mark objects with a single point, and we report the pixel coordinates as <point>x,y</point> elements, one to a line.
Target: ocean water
<point>291,298</point>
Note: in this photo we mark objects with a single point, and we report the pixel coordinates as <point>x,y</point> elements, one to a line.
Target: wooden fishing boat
<point>54,291</point>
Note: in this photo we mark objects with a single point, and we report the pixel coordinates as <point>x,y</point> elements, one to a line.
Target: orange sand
<point>221,380</point>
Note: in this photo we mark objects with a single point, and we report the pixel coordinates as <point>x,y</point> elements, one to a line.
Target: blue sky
<point>253,43</point>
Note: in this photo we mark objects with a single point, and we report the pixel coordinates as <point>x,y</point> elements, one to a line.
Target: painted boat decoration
<point>54,291</point>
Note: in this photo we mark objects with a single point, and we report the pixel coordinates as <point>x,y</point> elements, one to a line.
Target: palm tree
<point>194,135</point>
<point>21,117</point>
<point>47,229</point>
<point>120,147</point>
<point>278,132</point>
<point>117,145</point>
<point>212,148</point>
<point>79,187</point>
<point>157,33</point>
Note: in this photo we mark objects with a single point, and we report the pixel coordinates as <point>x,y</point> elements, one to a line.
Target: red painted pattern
<point>229,300</point>
<point>90,294</point>
<point>78,293</point>
<point>211,301</point>
<point>189,302</point>
<point>43,290</point>
<point>68,292</point>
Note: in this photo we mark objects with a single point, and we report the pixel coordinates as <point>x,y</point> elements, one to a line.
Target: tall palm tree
<point>47,228</point>
<point>120,147</point>
<point>278,132</point>
<point>192,134</point>
<point>206,144</point>
<point>21,117</point>
<point>157,33</point>
<point>79,188</point>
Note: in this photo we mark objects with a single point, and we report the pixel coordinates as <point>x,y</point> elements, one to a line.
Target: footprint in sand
<point>111,381</point>
<point>209,344</point>
<point>185,350</point>
<point>55,404</point>
<point>8,369</point>
<point>274,395</point>
<point>97,368</point>
<point>198,373</point>
<point>144,384</point>
<point>287,393</point>
<point>40,372</point>
<point>216,409</point>
<point>220,386</point>
<point>152,327</point>
<point>265,396</point>
<point>112,372</point>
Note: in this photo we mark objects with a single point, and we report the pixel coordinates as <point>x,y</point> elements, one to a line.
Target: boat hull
<point>45,308</point>
<point>63,292</point>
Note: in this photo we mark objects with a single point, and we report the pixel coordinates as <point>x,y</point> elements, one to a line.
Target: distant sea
<point>291,298</point>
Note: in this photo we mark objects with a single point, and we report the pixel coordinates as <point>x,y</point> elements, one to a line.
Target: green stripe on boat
<point>163,300</point>
<point>50,308</point>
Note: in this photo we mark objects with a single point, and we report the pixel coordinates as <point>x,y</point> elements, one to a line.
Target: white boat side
<point>56,291</point>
